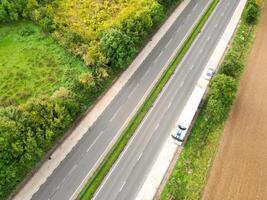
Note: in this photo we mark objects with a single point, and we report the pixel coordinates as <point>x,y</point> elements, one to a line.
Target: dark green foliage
<point>27,132</point>
<point>252,13</point>
<point>231,68</point>
<point>222,94</point>
<point>117,47</point>
<point>168,3</point>
<point>120,44</point>
<point>12,10</point>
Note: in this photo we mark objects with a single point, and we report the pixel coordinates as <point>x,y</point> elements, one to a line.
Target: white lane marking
<point>169,105</point>
<point>169,43</point>
<point>194,8</point>
<point>160,54</point>
<point>216,25</point>
<point>116,164</point>
<point>139,156</point>
<point>208,38</point>
<point>132,92</point>
<point>115,114</point>
<point>222,14</point>
<point>94,141</point>
<point>192,66</point>
<point>122,186</point>
<point>200,51</point>
<point>58,187</point>
<point>156,127</point>
<point>189,15</point>
<point>156,60</point>
<point>72,169</point>
<point>178,29</point>
<point>182,83</point>
<point>147,72</point>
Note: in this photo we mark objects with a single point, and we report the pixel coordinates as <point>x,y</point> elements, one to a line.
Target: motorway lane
<point>67,178</point>
<point>130,171</point>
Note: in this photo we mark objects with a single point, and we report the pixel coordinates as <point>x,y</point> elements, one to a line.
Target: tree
<point>231,68</point>
<point>252,13</point>
<point>222,94</point>
<point>117,47</point>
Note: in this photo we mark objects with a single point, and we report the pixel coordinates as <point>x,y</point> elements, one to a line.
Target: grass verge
<point>95,181</point>
<point>191,171</point>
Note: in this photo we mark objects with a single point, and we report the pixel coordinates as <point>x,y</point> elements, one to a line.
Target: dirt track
<point>239,171</point>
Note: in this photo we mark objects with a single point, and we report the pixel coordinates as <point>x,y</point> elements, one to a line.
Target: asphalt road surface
<point>129,172</point>
<point>67,179</point>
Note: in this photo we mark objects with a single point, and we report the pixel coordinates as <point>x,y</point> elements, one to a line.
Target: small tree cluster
<point>222,94</point>
<point>252,12</point>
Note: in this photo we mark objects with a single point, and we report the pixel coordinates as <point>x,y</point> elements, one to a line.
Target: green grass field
<point>31,63</point>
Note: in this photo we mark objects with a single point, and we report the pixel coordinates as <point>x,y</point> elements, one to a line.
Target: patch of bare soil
<point>239,171</point>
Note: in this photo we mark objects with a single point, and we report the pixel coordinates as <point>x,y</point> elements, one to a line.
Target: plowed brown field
<point>239,171</point>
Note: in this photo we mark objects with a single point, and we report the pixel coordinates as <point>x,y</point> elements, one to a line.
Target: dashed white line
<point>222,14</point>
<point>115,115</point>
<point>156,127</point>
<point>216,25</point>
<point>72,169</point>
<point>182,83</point>
<point>160,53</point>
<point>140,156</point>
<point>208,38</point>
<point>194,8</point>
<point>122,186</point>
<point>192,66</point>
<point>168,43</point>
<point>58,187</point>
<point>158,56</point>
<point>132,92</point>
<point>147,72</point>
<point>156,60</point>
<point>169,105</point>
<point>94,141</point>
<point>189,15</point>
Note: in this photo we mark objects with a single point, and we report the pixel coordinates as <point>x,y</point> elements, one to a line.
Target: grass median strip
<point>99,175</point>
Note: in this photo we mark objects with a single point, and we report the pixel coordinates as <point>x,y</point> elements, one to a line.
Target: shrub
<point>222,94</point>
<point>27,131</point>
<point>252,13</point>
<point>231,68</point>
<point>117,47</point>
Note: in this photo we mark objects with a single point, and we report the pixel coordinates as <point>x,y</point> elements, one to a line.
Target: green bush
<point>168,3</point>
<point>117,47</point>
<point>232,68</point>
<point>221,96</point>
<point>252,13</point>
<point>28,131</point>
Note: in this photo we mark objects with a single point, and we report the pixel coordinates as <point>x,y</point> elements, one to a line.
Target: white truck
<point>181,127</point>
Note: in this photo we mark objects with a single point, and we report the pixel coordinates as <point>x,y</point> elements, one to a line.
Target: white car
<point>179,133</point>
<point>209,74</point>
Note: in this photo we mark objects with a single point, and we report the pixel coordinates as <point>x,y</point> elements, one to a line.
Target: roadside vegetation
<point>56,59</point>
<point>95,181</point>
<point>191,171</point>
